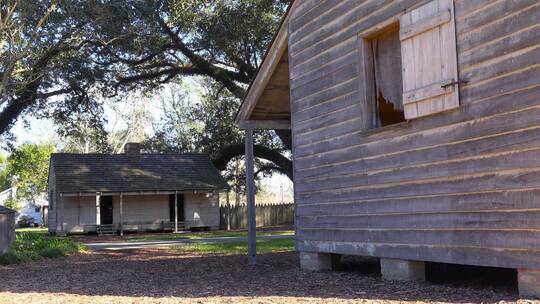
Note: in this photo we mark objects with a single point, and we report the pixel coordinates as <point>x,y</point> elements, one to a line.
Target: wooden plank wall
<point>461,186</point>
<point>51,188</point>
<point>7,231</point>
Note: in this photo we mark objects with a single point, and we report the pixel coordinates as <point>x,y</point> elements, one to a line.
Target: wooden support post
<point>175,211</point>
<point>228,212</point>
<point>62,216</point>
<point>121,214</point>
<point>98,211</point>
<point>250,191</point>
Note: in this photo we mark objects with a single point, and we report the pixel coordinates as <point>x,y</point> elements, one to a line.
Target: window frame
<point>370,109</point>
<point>369,106</point>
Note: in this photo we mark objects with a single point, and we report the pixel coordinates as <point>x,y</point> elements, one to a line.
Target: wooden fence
<point>266,215</point>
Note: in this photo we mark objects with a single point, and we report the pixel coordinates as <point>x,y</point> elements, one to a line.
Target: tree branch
<point>224,76</point>
<point>283,163</point>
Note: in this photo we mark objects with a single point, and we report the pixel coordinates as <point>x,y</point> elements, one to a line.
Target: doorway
<point>180,208</point>
<point>106,210</point>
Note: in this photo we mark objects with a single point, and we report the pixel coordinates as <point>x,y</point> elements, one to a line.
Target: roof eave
<point>267,68</point>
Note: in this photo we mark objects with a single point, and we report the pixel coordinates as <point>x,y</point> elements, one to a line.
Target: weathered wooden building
<point>416,130</point>
<point>7,229</point>
<point>133,191</point>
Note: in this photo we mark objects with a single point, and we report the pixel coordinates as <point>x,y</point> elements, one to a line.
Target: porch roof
<point>92,173</point>
<point>268,96</point>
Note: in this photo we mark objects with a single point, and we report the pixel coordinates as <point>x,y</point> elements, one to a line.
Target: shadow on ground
<point>159,273</point>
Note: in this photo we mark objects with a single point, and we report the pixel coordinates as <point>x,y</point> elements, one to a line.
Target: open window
<point>409,68</point>
<point>386,56</point>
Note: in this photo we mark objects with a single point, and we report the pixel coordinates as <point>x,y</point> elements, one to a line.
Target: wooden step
<point>106,230</point>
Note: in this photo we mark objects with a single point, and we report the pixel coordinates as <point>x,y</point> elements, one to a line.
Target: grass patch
<point>32,244</point>
<point>33,230</point>
<point>230,248</point>
<point>201,235</point>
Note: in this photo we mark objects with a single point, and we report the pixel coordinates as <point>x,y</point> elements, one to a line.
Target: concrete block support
<point>403,270</point>
<point>315,261</point>
<point>529,283</point>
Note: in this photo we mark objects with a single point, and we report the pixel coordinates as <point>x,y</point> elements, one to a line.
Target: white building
<point>36,210</point>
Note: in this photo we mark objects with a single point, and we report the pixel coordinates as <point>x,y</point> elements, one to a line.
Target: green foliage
<point>29,165</point>
<point>229,248</point>
<point>92,49</point>
<point>49,58</point>
<point>236,32</point>
<point>5,181</point>
<point>30,245</point>
<point>13,204</point>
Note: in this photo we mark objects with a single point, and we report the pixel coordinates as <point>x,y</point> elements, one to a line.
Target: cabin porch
<point>111,213</point>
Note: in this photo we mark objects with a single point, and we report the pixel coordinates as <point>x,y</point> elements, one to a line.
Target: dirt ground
<point>161,276</point>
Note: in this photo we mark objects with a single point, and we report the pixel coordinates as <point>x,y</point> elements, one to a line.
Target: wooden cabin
<point>7,229</point>
<point>133,191</point>
<point>416,131</point>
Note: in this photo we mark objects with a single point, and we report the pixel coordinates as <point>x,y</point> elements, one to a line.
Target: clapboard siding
<point>491,12</point>
<point>458,186</point>
<point>497,200</point>
<point>508,43</point>
<point>358,20</point>
<point>489,238</point>
<point>430,139</point>
<point>527,219</point>
<point>477,163</point>
<point>324,59</point>
<point>510,142</point>
<point>484,181</point>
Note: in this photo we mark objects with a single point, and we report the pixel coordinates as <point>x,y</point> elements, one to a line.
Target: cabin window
<point>409,68</point>
<point>386,50</point>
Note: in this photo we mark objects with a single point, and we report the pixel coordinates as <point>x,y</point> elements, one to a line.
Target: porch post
<point>175,211</point>
<point>121,214</point>
<point>250,191</point>
<point>228,212</point>
<point>62,218</point>
<point>98,211</point>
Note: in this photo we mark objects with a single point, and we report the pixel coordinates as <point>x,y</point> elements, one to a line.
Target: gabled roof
<point>4,210</point>
<point>268,96</point>
<point>91,173</point>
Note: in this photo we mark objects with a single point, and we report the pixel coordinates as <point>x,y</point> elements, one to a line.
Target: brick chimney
<point>132,149</point>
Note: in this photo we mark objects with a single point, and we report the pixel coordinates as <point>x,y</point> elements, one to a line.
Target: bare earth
<point>160,276</point>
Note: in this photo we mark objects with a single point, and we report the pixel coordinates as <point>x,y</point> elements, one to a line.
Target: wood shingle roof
<point>5,210</point>
<point>90,173</point>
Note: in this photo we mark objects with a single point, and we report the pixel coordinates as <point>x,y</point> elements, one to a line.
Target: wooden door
<point>180,208</point>
<point>106,210</point>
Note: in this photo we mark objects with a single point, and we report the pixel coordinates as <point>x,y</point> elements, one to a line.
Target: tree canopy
<point>4,176</point>
<point>28,167</point>
<point>62,58</point>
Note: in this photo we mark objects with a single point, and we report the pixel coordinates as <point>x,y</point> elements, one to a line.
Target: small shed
<point>7,228</point>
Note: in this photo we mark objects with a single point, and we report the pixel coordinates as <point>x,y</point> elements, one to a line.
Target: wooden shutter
<point>429,63</point>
